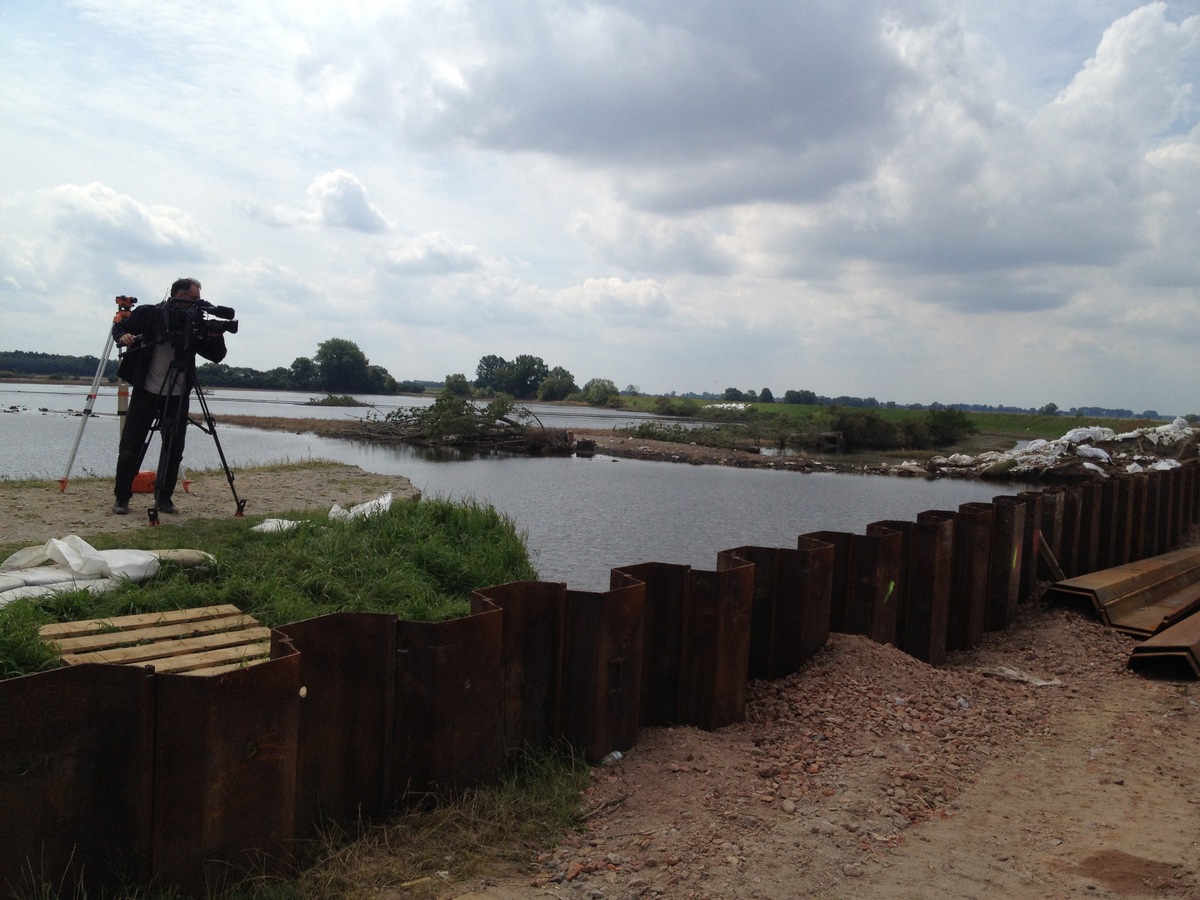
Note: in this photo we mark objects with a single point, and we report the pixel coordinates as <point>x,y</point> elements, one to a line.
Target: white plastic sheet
<point>68,564</point>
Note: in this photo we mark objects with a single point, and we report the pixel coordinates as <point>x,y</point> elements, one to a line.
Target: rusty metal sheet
<point>927,567</point>
<point>76,764</point>
<point>1031,545</point>
<point>873,608</point>
<point>841,580</point>
<point>447,704</point>
<point>666,587</point>
<point>1141,597</point>
<point>1190,505</point>
<point>602,669</point>
<point>1051,525</point>
<point>815,565</point>
<point>1004,568</point>
<point>1107,525</point>
<point>531,661</point>
<point>1155,506</point>
<point>1139,531</point>
<point>716,644</point>
<point>1174,651</point>
<point>348,673</point>
<point>225,772</point>
<point>790,617</point>
<point>1123,523</point>
<point>1092,495</point>
<point>1072,514</point>
<point>969,584</point>
<point>1173,513</point>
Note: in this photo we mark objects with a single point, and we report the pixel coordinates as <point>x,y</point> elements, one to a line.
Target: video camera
<point>187,323</point>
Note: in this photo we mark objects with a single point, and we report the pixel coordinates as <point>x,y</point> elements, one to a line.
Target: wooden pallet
<point>204,641</point>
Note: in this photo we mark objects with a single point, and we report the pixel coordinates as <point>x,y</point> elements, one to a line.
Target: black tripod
<point>171,419</point>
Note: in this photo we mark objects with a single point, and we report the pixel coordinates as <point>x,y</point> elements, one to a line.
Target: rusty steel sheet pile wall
<point>225,772</point>
<point>969,583</point>
<point>603,669</point>
<point>348,679</point>
<point>789,620</point>
<point>76,788</point>
<point>696,641</point>
<point>187,780</point>
<point>531,660</point>
<point>447,722</point>
<point>923,587</point>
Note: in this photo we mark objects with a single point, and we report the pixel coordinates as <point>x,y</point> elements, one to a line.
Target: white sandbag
<point>35,591</point>
<point>269,525</point>
<point>370,508</point>
<point>82,560</point>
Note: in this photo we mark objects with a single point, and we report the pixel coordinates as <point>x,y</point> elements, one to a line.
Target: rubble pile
<point>1082,454</point>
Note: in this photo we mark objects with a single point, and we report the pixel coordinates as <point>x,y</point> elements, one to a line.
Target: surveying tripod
<point>170,418</point>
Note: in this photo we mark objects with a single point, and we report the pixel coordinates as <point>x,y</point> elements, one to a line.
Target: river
<point>582,516</point>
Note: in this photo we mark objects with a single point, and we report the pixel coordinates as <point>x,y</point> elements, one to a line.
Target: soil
<point>1036,766</point>
<point>871,774</point>
<point>35,511</point>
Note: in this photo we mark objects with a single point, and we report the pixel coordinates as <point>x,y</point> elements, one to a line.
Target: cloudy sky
<point>986,201</point>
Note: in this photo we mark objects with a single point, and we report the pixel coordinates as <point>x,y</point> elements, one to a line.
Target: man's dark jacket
<point>150,323</point>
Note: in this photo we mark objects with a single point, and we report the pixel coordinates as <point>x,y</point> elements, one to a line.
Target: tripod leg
<point>210,426</point>
<point>87,411</point>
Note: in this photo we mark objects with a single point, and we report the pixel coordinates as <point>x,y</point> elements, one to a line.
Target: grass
<point>421,852</point>
<point>418,561</point>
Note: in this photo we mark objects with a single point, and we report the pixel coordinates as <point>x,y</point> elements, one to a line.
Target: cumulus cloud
<point>858,181</point>
<point>431,254</point>
<point>106,221</point>
<point>342,202</point>
<point>335,199</point>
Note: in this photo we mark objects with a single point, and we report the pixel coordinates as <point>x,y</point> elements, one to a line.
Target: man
<point>159,359</point>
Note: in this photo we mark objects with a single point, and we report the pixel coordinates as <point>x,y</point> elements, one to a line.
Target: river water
<point>582,517</point>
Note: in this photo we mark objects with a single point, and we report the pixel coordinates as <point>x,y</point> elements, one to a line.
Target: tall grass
<point>419,561</point>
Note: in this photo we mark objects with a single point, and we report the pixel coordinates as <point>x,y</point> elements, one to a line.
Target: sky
<point>985,201</point>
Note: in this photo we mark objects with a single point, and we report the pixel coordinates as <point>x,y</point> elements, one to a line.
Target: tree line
<point>530,378</point>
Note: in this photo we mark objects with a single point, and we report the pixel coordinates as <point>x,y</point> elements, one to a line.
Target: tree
<point>457,385</point>
<point>803,398</point>
<point>733,395</point>
<point>765,396</point>
<point>305,375</point>
<point>558,385</point>
<point>522,376</point>
<point>343,367</point>
<point>600,392</point>
<point>1050,409</point>
<point>488,372</point>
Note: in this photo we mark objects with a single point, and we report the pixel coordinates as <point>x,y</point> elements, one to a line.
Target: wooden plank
<point>154,633</point>
<point>226,658</point>
<point>144,653</point>
<point>137,620</point>
<point>228,667</point>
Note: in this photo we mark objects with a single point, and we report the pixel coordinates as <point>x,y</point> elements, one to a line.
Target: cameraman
<point>157,362</point>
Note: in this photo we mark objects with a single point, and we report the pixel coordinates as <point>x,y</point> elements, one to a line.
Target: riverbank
<point>36,511</point>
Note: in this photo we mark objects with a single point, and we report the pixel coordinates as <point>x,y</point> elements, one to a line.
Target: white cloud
<point>679,196</point>
<point>105,221</point>
<point>342,202</point>
<point>431,254</point>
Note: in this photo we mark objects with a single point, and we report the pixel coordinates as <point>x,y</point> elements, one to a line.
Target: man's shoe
<point>166,506</point>
<point>121,509</point>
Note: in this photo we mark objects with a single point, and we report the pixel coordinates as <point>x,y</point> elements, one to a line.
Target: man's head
<point>186,289</point>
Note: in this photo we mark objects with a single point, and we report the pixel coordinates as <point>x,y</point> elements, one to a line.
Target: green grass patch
<point>420,560</point>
